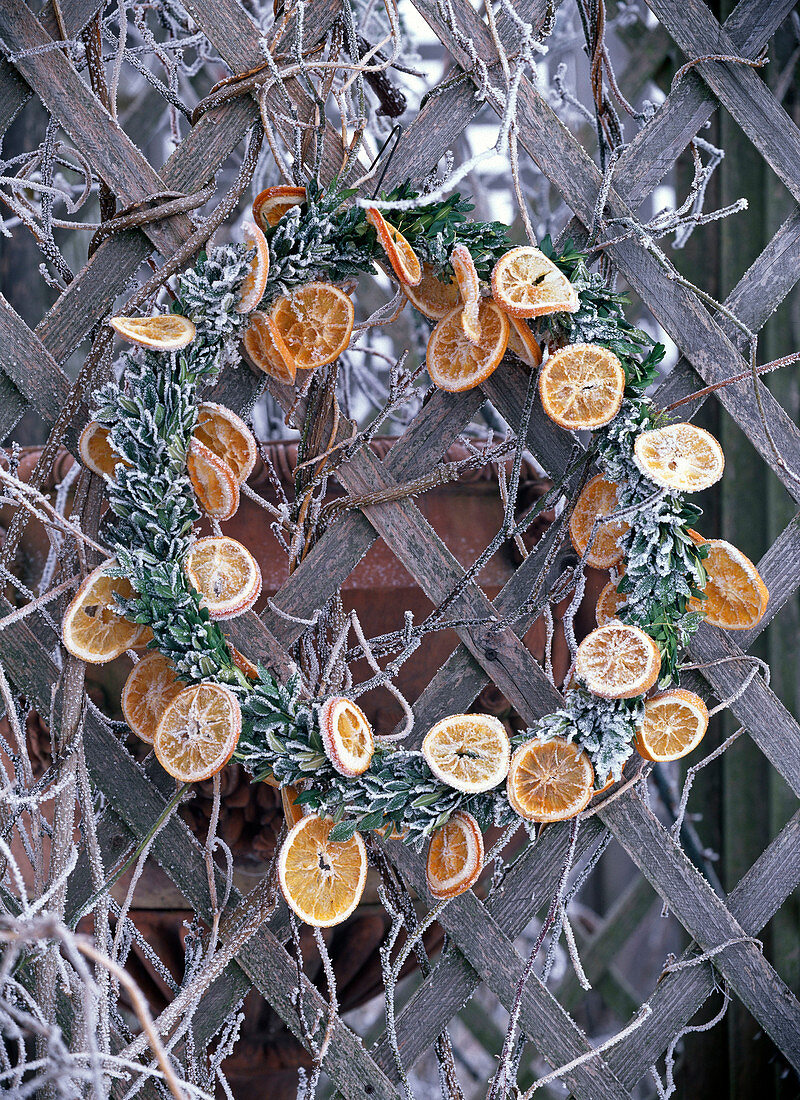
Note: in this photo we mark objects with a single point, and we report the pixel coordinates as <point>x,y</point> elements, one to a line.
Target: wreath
<point>168,458</point>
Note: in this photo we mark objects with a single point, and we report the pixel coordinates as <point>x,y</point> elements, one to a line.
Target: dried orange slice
<point>468,751</point>
<point>404,260</point>
<point>243,664</point>
<point>346,735</point>
<point>262,348</point>
<point>315,322</point>
<point>322,880</point>
<point>93,630</point>
<point>674,724</point>
<point>598,498</point>
<point>166,332</point>
<point>225,574</point>
<point>455,856</point>
<point>681,457</point>
<point>227,435</point>
<point>96,453</point>
<point>549,780</point>
<point>255,282</point>
<point>270,205</point>
<point>150,688</point>
<point>581,386</point>
<point>526,283</point>
<point>469,289</point>
<point>609,604</point>
<point>736,596</point>
<point>433,298</point>
<point>618,661</point>
<point>522,342</point>
<point>213,481</point>
<point>198,732</point>
<point>454,362</point>
<point>292,812</point>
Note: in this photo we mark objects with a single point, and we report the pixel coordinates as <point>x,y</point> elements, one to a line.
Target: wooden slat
<point>92,129</point>
<point>678,996</point>
<point>707,920</point>
<point>491,952</point>
<point>738,87</point>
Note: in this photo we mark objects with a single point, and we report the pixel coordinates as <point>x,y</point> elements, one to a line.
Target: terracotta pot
<point>466,515</point>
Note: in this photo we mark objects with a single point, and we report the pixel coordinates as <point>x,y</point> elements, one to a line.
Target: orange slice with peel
<point>455,856</point>
<point>225,574</point>
<point>674,724</point>
<point>454,362</point>
<point>597,499</point>
<point>255,281</point>
<point>736,596</point>
<point>581,386</point>
<point>468,751</point>
<point>549,780</point>
<point>198,732</point>
<point>261,344</point>
<point>404,260</point>
<point>618,661</point>
<point>270,205</point>
<point>165,332</point>
<point>469,289</point>
<point>522,342</point>
<point>292,811</point>
<point>346,735</point>
<point>227,435</point>
<point>681,457</point>
<point>243,663</point>
<point>151,686</point>
<point>526,283</point>
<point>213,481</point>
<point>96,453</point>
<point>433,298</point>
<point>314,322</point>
<point>609,603</point>
<point>93,630</point>
<point>322,880</point>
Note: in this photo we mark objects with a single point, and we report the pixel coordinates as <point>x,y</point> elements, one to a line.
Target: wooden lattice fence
<point>480,935</point>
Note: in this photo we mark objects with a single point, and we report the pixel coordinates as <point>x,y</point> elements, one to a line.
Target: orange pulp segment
<point>454,362</point>
<point>618,661</point>
<point>581,386</point>
<point>549,780</point>
<point>198,732</point>
<point>321,880</point>
<point>149,689</point>
<point>93,630</point>
<point>468,751</point>
<point>455,856</point>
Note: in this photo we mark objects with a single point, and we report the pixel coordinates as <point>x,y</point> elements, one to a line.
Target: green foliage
<point>151,414</point>
<point>663,566</point>
<point>325,239</point>
<point>604,728</point>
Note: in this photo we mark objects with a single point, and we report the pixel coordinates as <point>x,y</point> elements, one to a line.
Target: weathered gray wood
<point>27,363</point>
<point>491,952</point>
<point>536,877</point>
<point>100,137</point>
<point>707,919</point>
<point>739,87</point>
<point>14,92</point>
<point>678,996</point>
